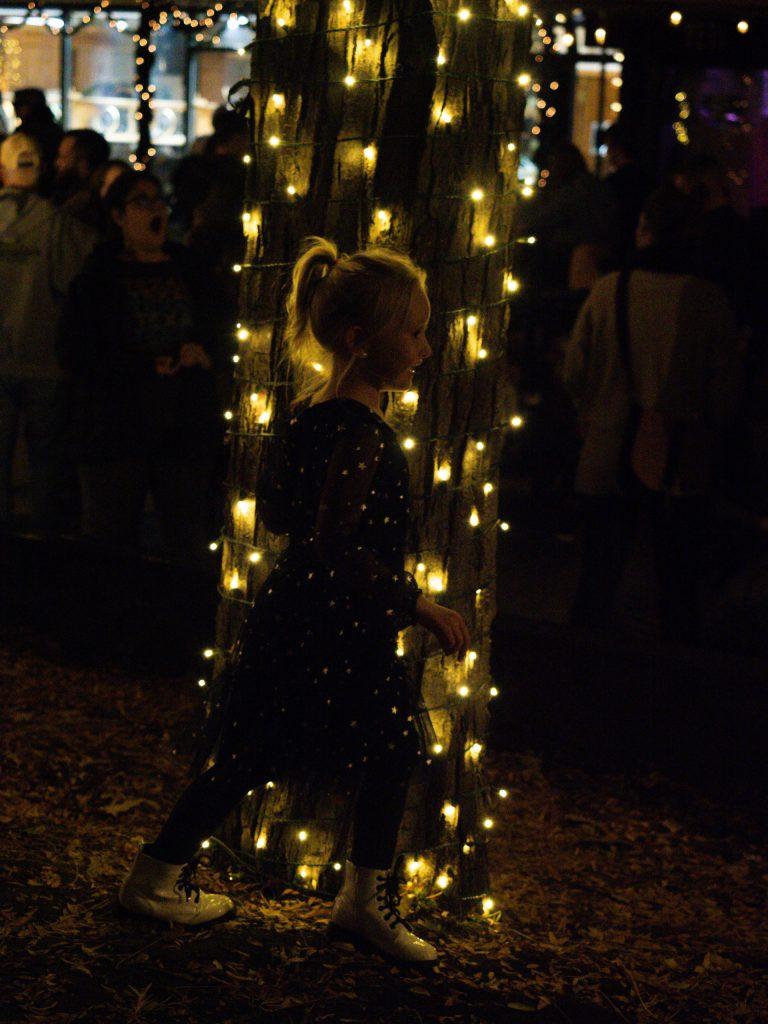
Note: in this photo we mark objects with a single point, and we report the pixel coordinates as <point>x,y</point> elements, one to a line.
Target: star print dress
<point>316,681</point>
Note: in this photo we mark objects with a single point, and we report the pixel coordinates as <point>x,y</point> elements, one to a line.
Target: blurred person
<point>41,250</point>
<point>36,120</point>
<point>81,153</point>
<point>628,182</point>
<point>718,236</point>
<point>135,335</point>
<point>107,173</point>
<point>651,429</point>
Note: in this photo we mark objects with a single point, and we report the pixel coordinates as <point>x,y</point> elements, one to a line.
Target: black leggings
<point>213,794</point>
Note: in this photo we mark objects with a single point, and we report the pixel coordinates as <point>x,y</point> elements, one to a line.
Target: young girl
<point>316,681</point>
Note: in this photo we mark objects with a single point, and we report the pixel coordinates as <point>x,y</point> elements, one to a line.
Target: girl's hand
<point>444,623</point>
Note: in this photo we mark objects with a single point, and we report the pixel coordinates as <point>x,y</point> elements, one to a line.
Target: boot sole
<point>126,912</point>
<point>335,933</point>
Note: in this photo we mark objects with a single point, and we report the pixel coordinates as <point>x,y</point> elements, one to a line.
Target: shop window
<point>30,57</point>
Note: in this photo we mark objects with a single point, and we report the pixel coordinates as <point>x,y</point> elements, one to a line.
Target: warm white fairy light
<point>317,367</point>
<point>471,320</point>
<point>337,866</point>
<point>409,443</point>
<point>482,353</point>
<point>290,190</point>
<point>487,488</point>
<point>234,580</point>
<point>213,546</point>
<point>675,17</point>
<point>350,81</point>
<point>270,785</point>
<point>471,657</point>
<point>511,147</point>
<point>201,682</point>
<point>254,557</point>
<point>487,822</point>
<point>303,836</point>
<point>743,27</point>
<point>235,358</point>
<point>443,473</point>
<point>384,219</point>
<point>435,582</point>
<point>489,241</point>
<point>503,793</point>
<point>261,842</point>
<point>488,904</point>
<point>600,36</point>
<point>474,518</point>
<point>278,100</point>
<point>437,748</point>
<point>441,58</point>
<point>476,750</point>
<point>274,141</point>
<point>243,334</point>
<point>516,422</point>
<point>527,191</point>
<point>237,267</point>
<point>464,14</point>
<point>400,651</point>
<point>444,116</point>
<point>410,397</point>
<point>450,812</point>
<point>247,158</point>
<point>463,691</point>
<point>476,195</point>
<point>206,843</point>
<point>208,652</point>
<point>480,446</point>
<point>370,153</point>
<point>443,881</point>
<point>524,79</point>
<point>511,284</point>
<point>414,866</point>
<point>494,691</point>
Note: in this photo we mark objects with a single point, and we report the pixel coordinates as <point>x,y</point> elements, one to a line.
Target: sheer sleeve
<point>343,501</point>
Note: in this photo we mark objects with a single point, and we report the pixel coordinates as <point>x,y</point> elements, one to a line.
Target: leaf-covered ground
<point>621,900</point>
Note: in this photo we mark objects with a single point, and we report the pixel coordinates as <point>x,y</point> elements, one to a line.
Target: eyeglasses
<point>147,202</point>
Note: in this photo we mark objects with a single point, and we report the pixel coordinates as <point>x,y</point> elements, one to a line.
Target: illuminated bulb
<point>516,422</point>
<point>743,27</point>
<point>531,239</point>
<point>463,691</point>
<point>383,216</point>
<point>435,582</point>
<point>471,657</point>
<point>410,397</point>
<point>488,823</point>
<point>303,836</point>
<point>208,652</point>
<point>487,904</point>
<point>234,580</point>
<point>235,359</point>
<point>205,844</point>
<point>237,267</point>
<point>400,651</point>
<point>443,881</point>
<point>369,153</point>
<point>617,82</point>
<point>445,117</point>
<point>441,58</point>
<point>246,217</point>
<point>213,546</point>
<point>201,682</point>
<point>476,195</point>
<point>270,785</point>
<point>480,446</point>
<point>261,842</point>
<point>675,17</point>
<point>489,241</point>
<point>681,97</point>
<point>243,334</point>
<point>503,794</point>
<point>347,5</point>
<point>413,866</point>
<point>504,527</point>
<point>243,507</point>
<point>616,107</point>
<point>437,748</point>
<point>349,81</point>
<point>409,443</point>
<point>278,99</point>
<point>494,691</point>
<point>337,866</point>
<point>526,191</point>
<point>254,557</point>
<point>511,147</point>
<point>476,749</point>
<point>511,284</point>
<point>444,472</point>
<point>281,22</point>
<point>471,320</point>
<point>487,488</point>
<point>464,14</point>
<point>318,367</point>
<point>274,141</point>
<point>450,812</point>
<point>303,872</point>
<point>618,57</point>
<point>600,35</point>
<point>523,10</point>
<point>367,43</point>
<point>524,79</point>
<point>466,848</point>
<point>482,353</point>
<point>291,190</point>
<point>247,158</point>
<point>420,567</point>
<point>474,518</point>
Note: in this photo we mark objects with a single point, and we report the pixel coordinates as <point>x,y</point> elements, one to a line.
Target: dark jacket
<point>123,408</point>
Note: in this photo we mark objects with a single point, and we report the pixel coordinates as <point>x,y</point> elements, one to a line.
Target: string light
<point>742,27</point>
<point>675,17</point>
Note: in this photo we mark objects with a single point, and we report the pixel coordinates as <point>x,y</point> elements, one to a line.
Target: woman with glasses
<point>136,336</point>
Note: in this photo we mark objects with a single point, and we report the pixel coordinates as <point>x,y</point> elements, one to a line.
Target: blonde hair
<point>331,292</point>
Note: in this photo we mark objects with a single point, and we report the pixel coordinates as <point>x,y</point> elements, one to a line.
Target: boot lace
<point>388,897</point>
<point>186,882</point>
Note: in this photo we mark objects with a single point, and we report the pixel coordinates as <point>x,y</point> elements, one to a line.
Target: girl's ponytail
<point>320,255</point>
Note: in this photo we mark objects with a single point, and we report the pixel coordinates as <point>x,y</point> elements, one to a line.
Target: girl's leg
<point>202,807</point>
<point>379,808</point>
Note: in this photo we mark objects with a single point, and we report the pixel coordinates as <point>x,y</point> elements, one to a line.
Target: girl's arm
<point>342,510</point>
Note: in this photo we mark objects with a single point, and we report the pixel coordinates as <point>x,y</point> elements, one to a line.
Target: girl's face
<point>144,221</point>
<point>394,355</point>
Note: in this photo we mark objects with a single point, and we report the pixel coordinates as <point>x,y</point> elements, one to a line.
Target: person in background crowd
<point>41,250</point>
<point>719,236</point>
<point>629,185</point>
<point>108,172</point>
<point>81,153</point>
<point>684,352</point>
<point>36,120</point>
<point>135,335</point>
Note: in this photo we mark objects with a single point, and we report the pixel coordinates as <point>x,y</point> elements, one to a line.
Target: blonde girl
<point>317,685</point>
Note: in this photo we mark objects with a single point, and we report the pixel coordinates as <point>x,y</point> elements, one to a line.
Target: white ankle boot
<point>169,893</point>
<point>366,912</point>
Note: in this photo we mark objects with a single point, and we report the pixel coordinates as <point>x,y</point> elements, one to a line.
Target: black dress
<point>315,680</point>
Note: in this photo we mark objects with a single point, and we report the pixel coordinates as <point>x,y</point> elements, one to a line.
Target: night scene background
<point>587,843</point>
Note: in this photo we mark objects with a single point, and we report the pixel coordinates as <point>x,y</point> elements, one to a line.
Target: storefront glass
<point>30,57</point>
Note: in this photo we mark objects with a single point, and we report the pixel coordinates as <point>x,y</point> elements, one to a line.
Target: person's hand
<point>193,354</point>
<point>445,624</point>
